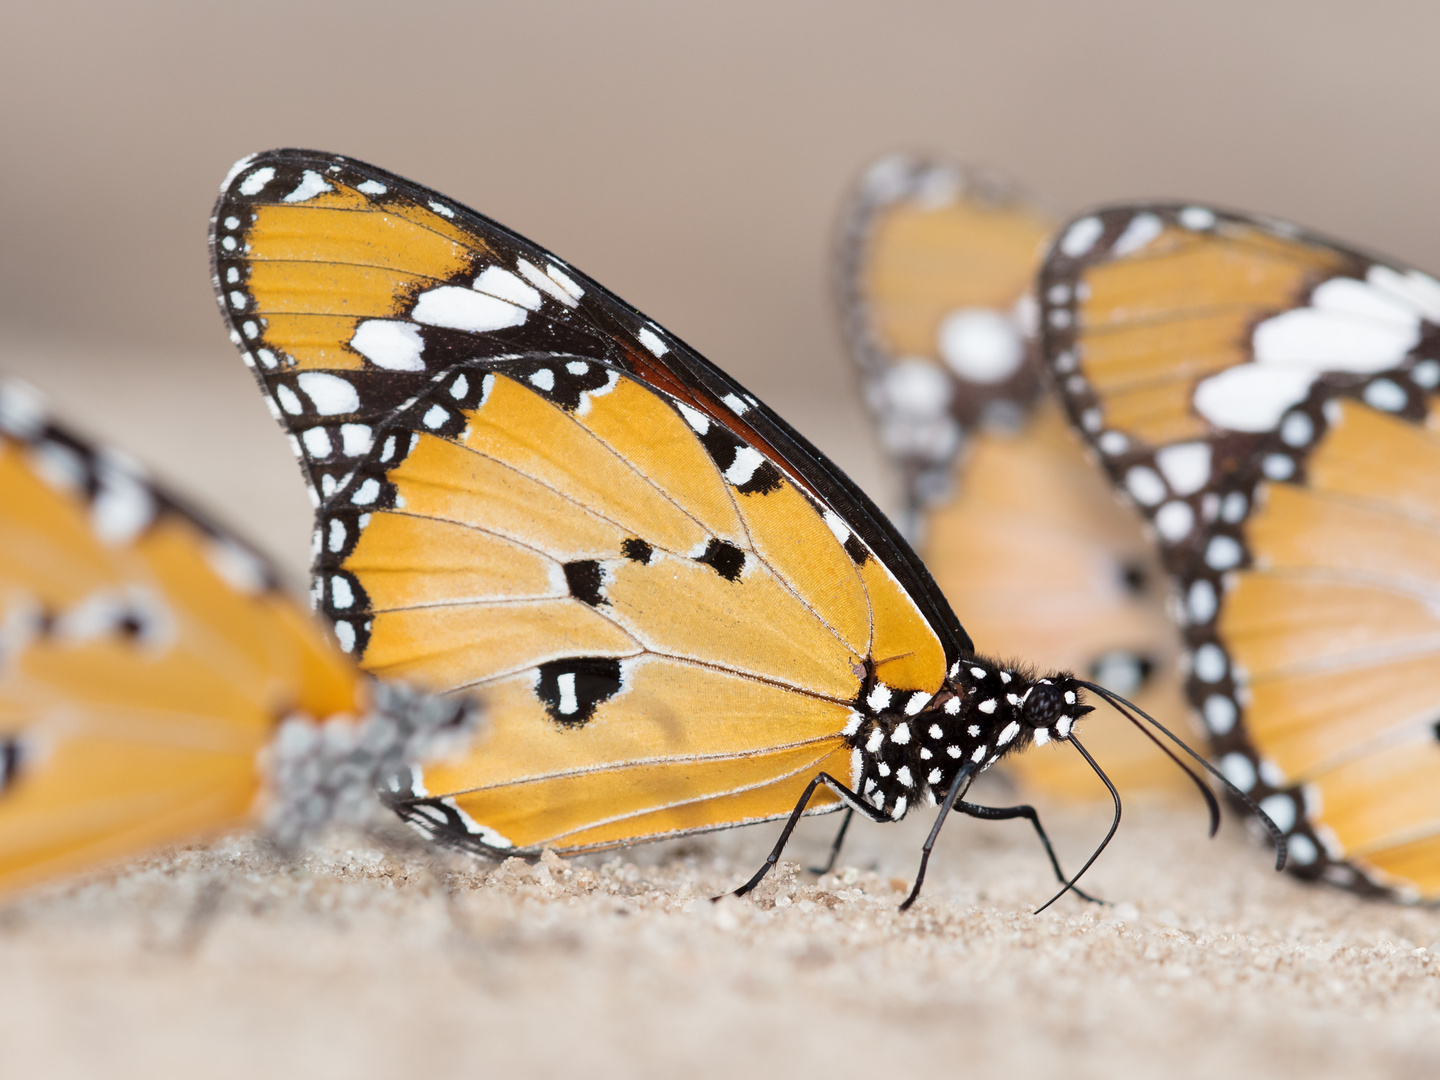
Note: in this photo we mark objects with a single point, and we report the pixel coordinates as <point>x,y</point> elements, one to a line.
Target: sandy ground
<point>371,957</point>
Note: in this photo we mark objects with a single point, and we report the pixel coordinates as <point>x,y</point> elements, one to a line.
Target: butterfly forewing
<point>348,289</point>
<point>1267,399</point>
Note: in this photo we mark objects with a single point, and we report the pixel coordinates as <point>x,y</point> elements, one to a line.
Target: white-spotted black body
<point>909,746</point>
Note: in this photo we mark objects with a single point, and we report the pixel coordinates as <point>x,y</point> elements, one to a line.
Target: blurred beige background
<point>691,156</point>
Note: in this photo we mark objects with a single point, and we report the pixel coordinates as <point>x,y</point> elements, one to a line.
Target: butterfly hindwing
<point>670,633</point>
<point>145,657</point>
<point>1267,399</point>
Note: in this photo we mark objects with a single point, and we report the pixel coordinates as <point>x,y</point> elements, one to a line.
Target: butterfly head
<point>1052,706</point>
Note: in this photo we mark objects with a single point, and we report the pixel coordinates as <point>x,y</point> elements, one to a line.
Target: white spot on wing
<point>1251,397</point>
<point>311,184</point>
<point>1197,218</point>
<point>367,492</point>
<point>742,469</point>
<point>1145,485</point>
<point>345,635</point>
<point>288,401</point>
<point>503,284</point>
<point>563,280</point>
<point>1209,663</point>
<point>317,442</point>
<point>454,308</point>
<point>22,410</point>
<point>1186,466</point>
<point>330,394</point>
<point>390,343</point>
<point>122,507</point>
<point>1238,769</point>
<point>1143,228</point>
<point>980,345</point>
<point>356,439</point>
<point>651,341</point>
<point>698,421</point>
<point>1174,520</point>
<point>532,273</point>
<point>256,181</point>
<point>240,569</point>
<point>1081,236</point>
<point>565,684</point>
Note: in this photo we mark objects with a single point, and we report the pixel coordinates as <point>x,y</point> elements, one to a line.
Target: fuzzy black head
<point>1051,699</point>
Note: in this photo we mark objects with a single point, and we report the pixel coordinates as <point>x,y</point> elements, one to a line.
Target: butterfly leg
<point>1006,813</point>
<point>961,782</point>
<point>835,847</point>
<point>839,789</point>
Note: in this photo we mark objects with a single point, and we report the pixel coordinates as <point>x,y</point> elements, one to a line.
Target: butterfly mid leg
<point>1006,813</point>
<point>836,844</point>
<point>840,789</point>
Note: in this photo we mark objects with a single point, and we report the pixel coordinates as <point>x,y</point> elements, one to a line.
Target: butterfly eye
<point>1044,704</point>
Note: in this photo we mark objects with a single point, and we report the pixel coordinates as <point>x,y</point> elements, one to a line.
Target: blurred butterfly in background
<point>681,615</point>
<point>155,686</point>
<point>936,274</point>
<point>1268,400</point>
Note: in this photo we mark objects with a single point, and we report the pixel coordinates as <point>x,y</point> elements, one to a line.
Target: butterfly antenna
<point>1114,825</point>
<point>1282,849</point>
<point>1123,707</point>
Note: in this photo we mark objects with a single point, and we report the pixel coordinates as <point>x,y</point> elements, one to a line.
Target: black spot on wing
<point>1134,578</point>
<point>726,559</point>
<point>856,549</point>
<point>586,582</point>
<point>10,762</point>
<point>765,479</point>
<point>571,689</point>
<point>637,550</point>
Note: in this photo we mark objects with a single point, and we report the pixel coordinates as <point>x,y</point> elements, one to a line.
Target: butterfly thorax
<point>908,746</point>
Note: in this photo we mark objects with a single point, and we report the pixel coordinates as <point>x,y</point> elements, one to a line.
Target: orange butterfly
<point>1022,533</point>
<point>1268,400</point>
<point>682,615</point>
<point>154,684</point>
